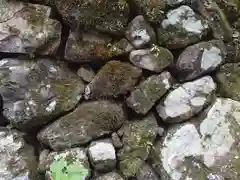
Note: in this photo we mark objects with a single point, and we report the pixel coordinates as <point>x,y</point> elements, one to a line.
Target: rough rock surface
<point>86,73</point>
<point>17,159</point>
<point>148,92</point>
<point>89,121</point>
<point>121,47</point>
<point>154,59</point>
<point>187,100</point>
<point>109,176</point>
<point>200,59</point>
<point>211,146</point>
<point>116,141</point>
<point>147,173</point>
<point>35,92</point>
<point>112,80</point>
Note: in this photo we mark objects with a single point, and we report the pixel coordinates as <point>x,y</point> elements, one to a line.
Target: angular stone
<point>116,141</point>
<point>200,59</point>
<point>181,28</point>
<point>27,28</point>
<point>109,176</point>
<point>148,92</point>
<point>187,100</point>
<point>36,92</point>
<point>140,33</point>
<point>154,59</point>
<point>147,173</point>
<point>89,121</point>
<point>114,79</point>
<point>211,146</point>
<point>17,158</point>
<point>86,73</point>
<point>102,155</point>
<point>120,48</point>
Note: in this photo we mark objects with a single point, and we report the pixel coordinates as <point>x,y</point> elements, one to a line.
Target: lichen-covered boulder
<point>112,80</point>
<point>148,92</point>
<point>35,92</point>
<point>17,158</point>
<point>154,59</point>
<point>181,28</point>
<point>207,148</point>
<point>200,59</point>
<point>121,47</point>
<point>88,121</point>
<point>109,176</point>
<point>187,100</point>
<point>27,28</point>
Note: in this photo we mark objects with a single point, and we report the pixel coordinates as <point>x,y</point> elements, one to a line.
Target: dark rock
<point>147,173</point>
<point>116,141</point>
<point>233,49</point>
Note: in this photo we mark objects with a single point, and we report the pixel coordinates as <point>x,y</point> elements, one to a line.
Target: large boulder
<point>207,148</point>
<point>89,121</point>
<point>35,92</point>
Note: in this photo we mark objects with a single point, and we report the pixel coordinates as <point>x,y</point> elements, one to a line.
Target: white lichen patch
<point>211,58</point>
<point>8,143</point>
<point>140,36</point>
<point>102,151</point>
<point>51,106</point>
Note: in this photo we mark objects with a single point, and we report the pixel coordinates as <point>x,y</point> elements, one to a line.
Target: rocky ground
<point>130,89</point>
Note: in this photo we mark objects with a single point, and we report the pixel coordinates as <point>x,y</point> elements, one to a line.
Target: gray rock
<point>27,28</point>
<point>140,33</point>
<point>116,141</point>
<point>35,92</point>
<point>200,59</point>
<point>17,159</point>
<point>154,59</point>
<point>86,73</point>
<point>178,2</point>
<point>181,28</point>
<point>102,155</point>
<point>112,80</point>
<point>109,176</point>
<point>211,146</point>
<point>89,121</point>
<point>148,92</point>
<point>147,173</point>
<point>187,100</point>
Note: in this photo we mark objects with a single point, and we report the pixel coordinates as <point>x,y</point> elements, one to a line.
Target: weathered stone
<point>233,49</point>
<point>86,73</point>
<point>121,47</point>
<point>137,137</point>
<point>116,141</point>
<point>109,176</point>
<point>35,92</point>
<point>187,100</point>
<point>140,33</point>
<point>181,28</point>
<point>179,2</point>
<point>103,15</point>
<point>148,92</point>
<point>154,59</point>
<point>89,121</point>
<point>203,149</point>
<point>114,79</point>
<point>27,28</point>
<point>102,155</point>
<point>200,59</point>
<point>147,173</point>
<point>17,159</point>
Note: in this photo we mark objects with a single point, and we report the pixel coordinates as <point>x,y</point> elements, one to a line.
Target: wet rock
<point>27,28</point>
<point>116,141</point>
<point>140,33</point>
<point>181,28</point>
<point>17,159</point>
<point>211,146</point>
<point>187,100</point>
<point>109,176</point>
<point>147,173</point>
<point>148,92</point>
<point>89,121</point>
<point>105,16</point>
<point>137,137</point>
<point>114,79</point>
<point>36,92</point>
<point>102,155</point>
<point>200,59</point>
<point>121,47</point>
<point>154,59</point>
<point>86,73</point>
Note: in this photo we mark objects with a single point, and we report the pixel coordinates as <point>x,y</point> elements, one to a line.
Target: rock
<point>17,158</point>
<point>148,92</point>
<point>86,73</point>
<point>89,121</point>
<point>154,59</point>
<point>181,28</point>
<point>114,79</point>
<point>138,137</point>
<point>36,92</point>
<point>27,28</point>
<point>187,100</point>
<point>121,47</point>
<point>233,49</point>
<point>147,173</point>
<point>105,16</point>
<point>102,155</point>
<point>179,2</point>
<point>109,176</point>
<point>116,141</point>
<point>211,146</point>
<point>140,33</point>
<point>200,59</point>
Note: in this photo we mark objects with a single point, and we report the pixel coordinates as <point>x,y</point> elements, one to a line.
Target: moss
<point>130,167</point>
<point>35,16</point>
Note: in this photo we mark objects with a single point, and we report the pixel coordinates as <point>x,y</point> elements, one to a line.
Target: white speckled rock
<point>178,2</point>
<point>109,176</point>
<point>102,155</point>
<point>205,149</point>
<point>200,59</point>
<point>187,100</point>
